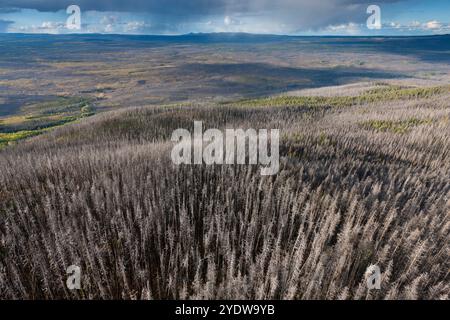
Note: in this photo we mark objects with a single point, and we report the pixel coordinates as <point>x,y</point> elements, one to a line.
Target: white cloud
<point>229,21</point>
<point>108,28</point>
<point>108,23</point>
<point>109,20</point>
<point>136,27</point>
<point>344,29</point>
<point>414,24</point>
<point>433,25</point>
<point>416,27</point>
<point>51,27</point>
<point>395,25</point>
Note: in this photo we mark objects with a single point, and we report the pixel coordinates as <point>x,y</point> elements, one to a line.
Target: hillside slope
<point>361,182</point>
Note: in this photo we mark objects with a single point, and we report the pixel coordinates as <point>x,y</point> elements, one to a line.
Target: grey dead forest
<point>139,227</point>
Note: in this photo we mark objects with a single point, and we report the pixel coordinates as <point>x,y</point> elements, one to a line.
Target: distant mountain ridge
<point>221,36</point>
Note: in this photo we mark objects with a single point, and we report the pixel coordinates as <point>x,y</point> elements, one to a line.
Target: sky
<point>289,17</point>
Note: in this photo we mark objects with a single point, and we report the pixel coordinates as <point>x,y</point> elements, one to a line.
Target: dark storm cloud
<point>175,7</point>
<point>179,7</point>
<point>298,14</point>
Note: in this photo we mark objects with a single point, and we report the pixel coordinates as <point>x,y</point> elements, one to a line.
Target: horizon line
<point>227,33</point>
